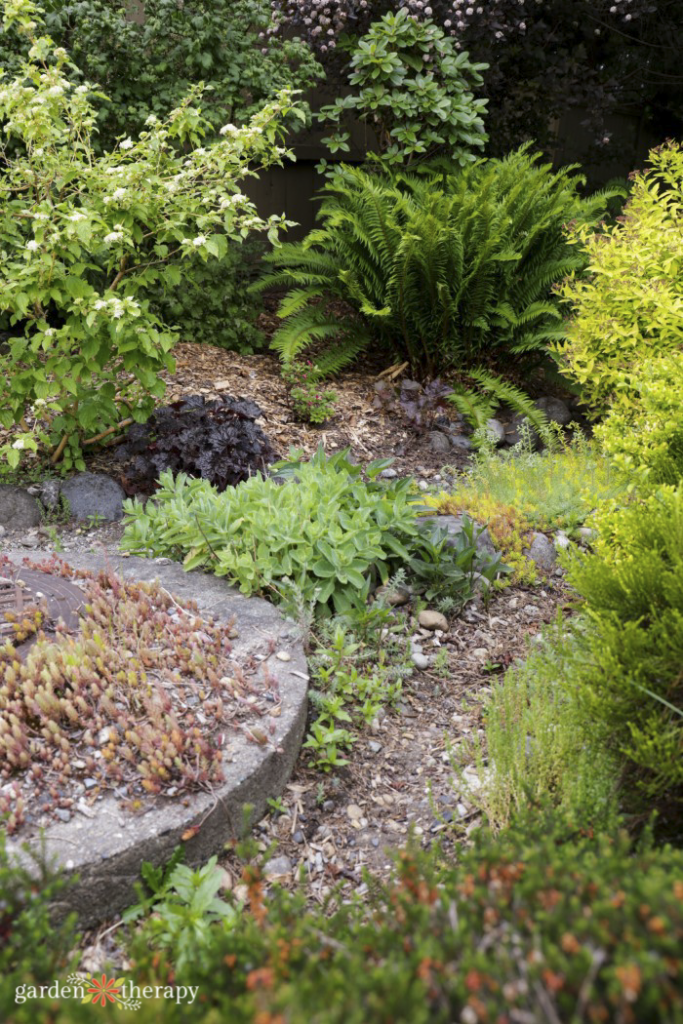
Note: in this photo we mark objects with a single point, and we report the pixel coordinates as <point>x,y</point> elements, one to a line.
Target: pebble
<point>354,812</point>
<point>375,841</point>
<point>63,814</point>
<point>388,474</point>
<point>433,620</point>
<point>480,652</point>
<point>530,611</point>
<point>374,746</point>
<point>420,661</point>
<point>298,836</point>
<point>328,805</point>
<point>277,866</point>
<point>283,656</point>
<point>423,485</point>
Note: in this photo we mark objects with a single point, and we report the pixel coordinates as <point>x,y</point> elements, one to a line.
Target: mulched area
<point>402,776</point>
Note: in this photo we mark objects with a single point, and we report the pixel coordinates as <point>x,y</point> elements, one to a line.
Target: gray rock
<point>298,836</point>
<point>433,620</point>
<point>388,474</point>
<point>93,494</point>
<point>396,597</point>
<point>63,814</point>
<point>420,661</point>
<point>439,443</point>
<point>586,535</point>
<point>542,552</point>
<point>18,509</point>
<point>277,866</point>
<point>49,492</point>
<point>555,409</point>
<point>3,531</point>
<point>562,541</point>
<point>374,747</point>
<point>530,611</point>
<point>461,442</point>
<point>496,430</point>
<point>513,434</point>
<point>423,485</point>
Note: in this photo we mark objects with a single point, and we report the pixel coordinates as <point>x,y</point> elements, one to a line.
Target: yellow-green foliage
<point>507,528</point>
<point>630,307</point>
<point>521,491</point>
<point>643,432</point>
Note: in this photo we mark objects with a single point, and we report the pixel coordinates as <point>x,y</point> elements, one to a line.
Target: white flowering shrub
<point>86,239</point>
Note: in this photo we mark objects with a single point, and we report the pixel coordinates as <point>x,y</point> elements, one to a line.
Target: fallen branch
<point>110,430</point>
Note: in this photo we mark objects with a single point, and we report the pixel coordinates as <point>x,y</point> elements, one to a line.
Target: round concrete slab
<point>107,850</point>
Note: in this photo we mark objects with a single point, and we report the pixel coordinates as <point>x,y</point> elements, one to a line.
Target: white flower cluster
<point>116,307</point>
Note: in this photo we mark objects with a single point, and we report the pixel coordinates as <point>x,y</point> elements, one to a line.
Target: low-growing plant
<point>219,441</point>
<point>96,704</point>
<point>545,919</point>
<point>35,949</point>
<point>450,569</point>
<point>310,402</point>
<point>417,404</point>
<point>541,745</point>
<point>325,532</point>
<point>87,245</point>
<point>182,908</point>
<point>556,488</point>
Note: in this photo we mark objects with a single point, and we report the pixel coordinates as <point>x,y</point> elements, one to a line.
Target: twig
<point>59,450</point>
<point>105,433</point>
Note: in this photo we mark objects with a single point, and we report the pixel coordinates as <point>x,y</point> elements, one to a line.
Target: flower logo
<point>103,990</point>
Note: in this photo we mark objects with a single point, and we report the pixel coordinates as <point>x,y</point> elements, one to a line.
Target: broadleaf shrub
<point>85,250</point>
<point>218,441</point>
<point>444,271</point>
<point>629,306</point>
<point>411,85</point>
<point>147,66</point>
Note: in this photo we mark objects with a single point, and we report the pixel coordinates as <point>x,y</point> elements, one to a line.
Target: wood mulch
<point>402,775</point>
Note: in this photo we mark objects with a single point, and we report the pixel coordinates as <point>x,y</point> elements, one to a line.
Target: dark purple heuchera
<point>543,55</point>
<point>217,440</point>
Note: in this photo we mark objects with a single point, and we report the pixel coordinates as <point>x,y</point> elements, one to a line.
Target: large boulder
<point>93,495</point>
<point>18,509</point>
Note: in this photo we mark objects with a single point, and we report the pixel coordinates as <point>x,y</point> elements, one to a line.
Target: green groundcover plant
<point>317,533</point>
<point>87,239</point>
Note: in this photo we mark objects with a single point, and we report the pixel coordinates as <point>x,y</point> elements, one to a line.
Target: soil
<point>409,773</point>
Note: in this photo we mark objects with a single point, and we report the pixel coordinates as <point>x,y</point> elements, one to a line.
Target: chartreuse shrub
<point>643,432</point>
<point>625,334</point>
<point>86,245</point>
<point>412,85</point>
<point>444,271</point>
<point>324,535</point>
<point>629,308</point>
<point>628,668</point>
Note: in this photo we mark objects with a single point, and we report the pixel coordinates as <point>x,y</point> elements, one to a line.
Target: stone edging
<point>106,851</point>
